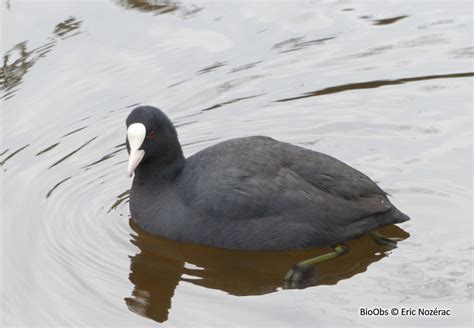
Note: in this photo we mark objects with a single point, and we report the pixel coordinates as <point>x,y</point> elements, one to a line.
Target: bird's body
<point>254,193</point>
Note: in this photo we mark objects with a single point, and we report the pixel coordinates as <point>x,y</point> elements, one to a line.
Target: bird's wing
<point>266,184</point>
<point>328,173</point>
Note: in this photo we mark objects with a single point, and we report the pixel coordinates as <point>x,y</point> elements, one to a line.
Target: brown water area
<point>387,88</point>
<point>160,266</point>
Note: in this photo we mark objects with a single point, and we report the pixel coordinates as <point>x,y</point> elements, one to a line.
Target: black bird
<point>252,193</point>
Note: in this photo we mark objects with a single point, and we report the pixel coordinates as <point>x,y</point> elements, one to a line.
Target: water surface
<point>386,88</point>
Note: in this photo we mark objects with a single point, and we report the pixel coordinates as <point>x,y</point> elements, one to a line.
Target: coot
<point>252,193</point>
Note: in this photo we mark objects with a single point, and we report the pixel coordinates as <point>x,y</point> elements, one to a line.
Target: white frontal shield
<point>135,134</point>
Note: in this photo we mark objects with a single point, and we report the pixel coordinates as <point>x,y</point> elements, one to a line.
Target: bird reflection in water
<point>161,264</point>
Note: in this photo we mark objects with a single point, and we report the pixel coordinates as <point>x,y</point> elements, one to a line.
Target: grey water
<point>385,87</point>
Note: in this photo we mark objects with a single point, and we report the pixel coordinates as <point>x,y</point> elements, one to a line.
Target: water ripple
<point>431,279</point>
<point>12,154</point>
<point>375,84</point>
<point>72,153</point>
<point>69,244</point>
<point>388,21</point>
<point>19,60</point>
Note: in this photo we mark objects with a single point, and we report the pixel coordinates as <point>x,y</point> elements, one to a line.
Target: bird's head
<point>151,138</point>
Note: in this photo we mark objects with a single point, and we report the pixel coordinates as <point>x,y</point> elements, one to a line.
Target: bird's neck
<point>160,169</point>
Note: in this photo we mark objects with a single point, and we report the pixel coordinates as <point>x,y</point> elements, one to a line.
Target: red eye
<point>151,134</point>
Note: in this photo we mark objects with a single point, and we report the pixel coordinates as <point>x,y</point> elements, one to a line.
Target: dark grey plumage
<point>251,193</point>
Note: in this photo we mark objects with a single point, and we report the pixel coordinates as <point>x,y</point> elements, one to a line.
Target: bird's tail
<point>397,216</point>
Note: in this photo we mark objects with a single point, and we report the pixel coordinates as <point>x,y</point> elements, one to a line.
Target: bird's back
<point>257,185</point>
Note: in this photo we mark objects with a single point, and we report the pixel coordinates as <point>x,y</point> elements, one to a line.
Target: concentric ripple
<point>387,89</point>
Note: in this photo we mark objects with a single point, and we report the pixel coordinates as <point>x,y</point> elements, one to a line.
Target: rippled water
<point>385,87</point>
